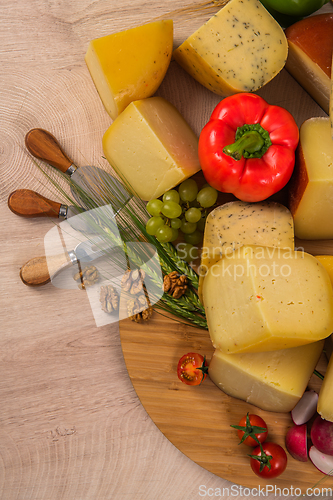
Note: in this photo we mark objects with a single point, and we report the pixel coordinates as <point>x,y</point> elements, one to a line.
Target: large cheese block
<point>238,223</point>
<point>310,55</point>
<point>151,147</point>
<point>131,64</point>
<point>273,381</point>
<point>327,262</point>
<point>325,401</point>
<point>264,299</point>
<point>311,185</point>
<point>240,49</point>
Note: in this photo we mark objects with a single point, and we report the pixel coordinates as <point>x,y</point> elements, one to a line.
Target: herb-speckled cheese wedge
<point>273,381</point>
<point>240,49</point>
<point>238,223</point>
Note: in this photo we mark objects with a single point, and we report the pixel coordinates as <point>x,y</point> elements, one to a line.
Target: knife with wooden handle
<point>39,270</point>
<point>91,185</point>
<point>28,203</point>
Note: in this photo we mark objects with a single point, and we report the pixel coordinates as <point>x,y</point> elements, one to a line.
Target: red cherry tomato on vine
<point>192,368</point>
<point>268,460</point>
<point>252,430</point>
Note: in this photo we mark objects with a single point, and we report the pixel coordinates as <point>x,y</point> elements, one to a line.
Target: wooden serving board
<point>197,419</point>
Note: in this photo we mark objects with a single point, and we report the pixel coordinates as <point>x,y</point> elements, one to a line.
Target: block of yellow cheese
<point>325,401</point>
<point>238,223</point>
<point>131,64</point>
<point>240,49</point>
<point>327,262</point>
<point>264,299</point>
<point>151,147</point>
<point>310,55</point>
<point>273,381</point>
<point>311,185</point>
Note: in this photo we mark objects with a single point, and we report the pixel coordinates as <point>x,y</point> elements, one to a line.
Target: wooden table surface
<point>71,424</point>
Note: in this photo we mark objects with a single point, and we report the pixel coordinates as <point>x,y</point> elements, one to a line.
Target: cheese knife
<point>41,270</point>
<point>89,183</point>
<point>28,203</point>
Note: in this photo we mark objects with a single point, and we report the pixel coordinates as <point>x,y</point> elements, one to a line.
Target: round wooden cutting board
<point>197,419</point>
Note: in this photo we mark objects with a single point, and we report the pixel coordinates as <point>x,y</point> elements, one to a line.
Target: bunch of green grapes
<point>181,211</point>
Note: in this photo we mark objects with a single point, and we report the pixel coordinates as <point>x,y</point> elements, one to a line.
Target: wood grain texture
<point>71,424</point>
<point>197,419</point>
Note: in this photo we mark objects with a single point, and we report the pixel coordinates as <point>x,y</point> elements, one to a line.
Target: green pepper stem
<point>251,142</point>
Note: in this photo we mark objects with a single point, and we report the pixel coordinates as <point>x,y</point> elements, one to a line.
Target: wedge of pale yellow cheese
<point>311,185</point>
<point>238,223</point>
<point>240,49</point>
<point>327,262</point>
<point>131,64</point>
<point>325,401</point>
<point>273,381</point>
<point>152,147</point>
<point>264,299</point>
<point>310,55</point>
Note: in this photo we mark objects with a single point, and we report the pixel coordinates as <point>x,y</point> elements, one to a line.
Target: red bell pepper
<point>248,147</point>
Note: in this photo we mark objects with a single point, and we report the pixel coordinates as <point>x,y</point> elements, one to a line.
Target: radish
<point>323,462</point>
<point>322,435</point>
<point>296,442</point>
<point>305,408</point>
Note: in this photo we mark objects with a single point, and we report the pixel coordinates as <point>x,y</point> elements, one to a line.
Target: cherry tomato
<point>192,368</point>
<point>252,430</point>
<point>268,460</point>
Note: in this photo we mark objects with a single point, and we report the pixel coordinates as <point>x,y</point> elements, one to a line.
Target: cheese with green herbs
<point>240,49</point>
<point>265,299</point>
<point>238,223</point>
<point>273,381</point>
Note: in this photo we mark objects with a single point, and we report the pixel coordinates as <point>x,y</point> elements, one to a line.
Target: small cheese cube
<point>264,299</point>
<point>151,147</point>
<point>325,401</point>
<point>240,49</point>
<point>311,185</point>
<point>310,55</point>
<point>273,381</point>
<point>238,223</point>
<point>131,64</point>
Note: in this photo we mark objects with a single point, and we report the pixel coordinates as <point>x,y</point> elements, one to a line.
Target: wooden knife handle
<point>44,146</point>
<point>28,203</point>
<point>38,271</point>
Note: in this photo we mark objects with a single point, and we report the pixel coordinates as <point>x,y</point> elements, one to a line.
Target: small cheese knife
<point>88,182</point>
<point>28,203</point>
<point>40,270</point>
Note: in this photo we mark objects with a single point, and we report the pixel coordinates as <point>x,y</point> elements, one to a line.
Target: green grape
<point>207,196</point>
<point>153,224</point>
<point>194,238</point>
<point>154,207</point>
<point>171,195</point>
<point>193,214</point>
<point>188,190</point>
<point>175,223</point>
<point>188,227</point>
<point>174,235</point>
<point>171,209</point>
<point>187,252</point>
<point>164,234</point>
<point>201,224</point>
